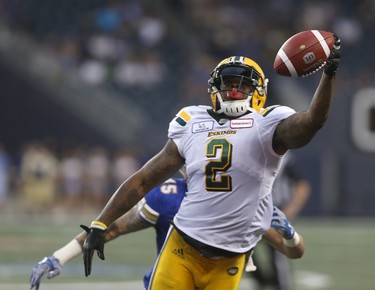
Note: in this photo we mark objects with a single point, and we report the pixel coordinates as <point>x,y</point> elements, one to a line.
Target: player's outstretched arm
<point>298,129</point>
<point>128,223</point>
<point>97,234</point>
<point>283,237</point>
<point>52,266</point>
<point>158,169</point>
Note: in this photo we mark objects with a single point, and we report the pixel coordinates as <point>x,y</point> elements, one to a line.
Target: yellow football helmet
<point>246,73</point>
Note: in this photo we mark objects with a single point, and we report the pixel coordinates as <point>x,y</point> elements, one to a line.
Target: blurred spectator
<point>141,71</point>
<point>124,165</point>
<point>69,53</point>
<point>5,175</point>
<point>38,173</point>
<point>108,18</point>
<point>194,84</point>
<point>93,71</point>
<point>349,29</point>
<point>71,176</point>
<point>107,47</point>
<point>97,172</point>
<point>151,31</point>
<point>318,14</point>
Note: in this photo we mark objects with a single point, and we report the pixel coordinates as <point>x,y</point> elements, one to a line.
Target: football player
<point>290,193</point>
<point>157,210</point>
<point>232,152</point>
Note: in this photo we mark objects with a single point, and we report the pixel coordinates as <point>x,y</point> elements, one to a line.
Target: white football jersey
<point>231,166</point>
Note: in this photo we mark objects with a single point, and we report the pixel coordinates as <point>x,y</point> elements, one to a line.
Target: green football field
<point>339,254</point>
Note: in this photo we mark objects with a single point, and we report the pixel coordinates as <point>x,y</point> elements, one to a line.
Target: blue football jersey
<point>159,207</point>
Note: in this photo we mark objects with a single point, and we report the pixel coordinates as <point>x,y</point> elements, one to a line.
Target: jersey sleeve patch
<point>182,118</point>
<point>147,213</point>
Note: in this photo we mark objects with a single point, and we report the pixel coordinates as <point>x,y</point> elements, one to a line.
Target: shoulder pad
<point>266,111</point>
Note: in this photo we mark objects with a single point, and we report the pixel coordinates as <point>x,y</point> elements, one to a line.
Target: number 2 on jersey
<point>221,149</point>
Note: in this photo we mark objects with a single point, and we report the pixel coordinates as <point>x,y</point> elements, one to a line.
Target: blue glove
<point>50,266</point>
<point>281,224</point>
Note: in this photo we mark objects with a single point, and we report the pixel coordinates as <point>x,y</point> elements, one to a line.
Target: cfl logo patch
<point>309,57</point>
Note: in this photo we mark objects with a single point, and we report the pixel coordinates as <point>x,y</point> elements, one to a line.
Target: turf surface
<point>339,254</point>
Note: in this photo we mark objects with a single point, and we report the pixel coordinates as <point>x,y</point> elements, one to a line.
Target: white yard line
<point>304,280</point>
<point>131,285</point>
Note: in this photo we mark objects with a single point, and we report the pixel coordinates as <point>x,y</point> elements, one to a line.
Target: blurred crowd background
<point>89,87</point>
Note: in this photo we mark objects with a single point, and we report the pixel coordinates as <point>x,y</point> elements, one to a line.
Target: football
<point>304,53</point>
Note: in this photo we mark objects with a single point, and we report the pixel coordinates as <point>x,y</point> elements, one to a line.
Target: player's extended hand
<point>50,266</point>
<point>333,60</point>
<point>281,224</point>
<point>94,242</point>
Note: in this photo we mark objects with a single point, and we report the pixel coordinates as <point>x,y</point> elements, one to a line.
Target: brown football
<point>304,53</point>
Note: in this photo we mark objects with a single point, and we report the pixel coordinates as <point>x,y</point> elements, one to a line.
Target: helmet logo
<point>236,59</point>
